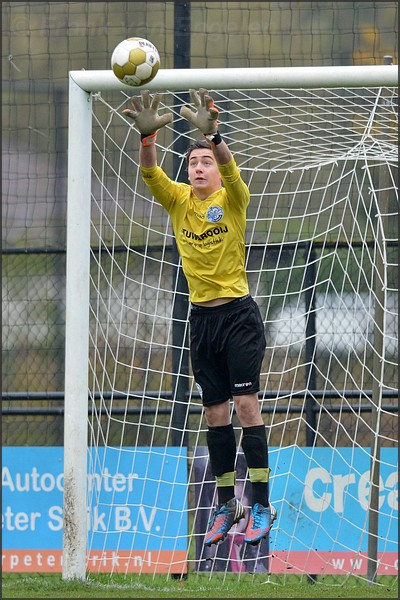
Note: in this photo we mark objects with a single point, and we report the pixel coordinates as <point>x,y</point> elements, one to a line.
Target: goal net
<point>322,264</point>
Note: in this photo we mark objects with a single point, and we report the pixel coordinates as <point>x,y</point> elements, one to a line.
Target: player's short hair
<point>195,146</point>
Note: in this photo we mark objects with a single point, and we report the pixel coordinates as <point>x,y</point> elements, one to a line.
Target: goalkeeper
<point>227,341</point>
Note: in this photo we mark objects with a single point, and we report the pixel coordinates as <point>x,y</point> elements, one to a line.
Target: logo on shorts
<point>246,384</point>
<point>199,389</point>
<point>214,214</point>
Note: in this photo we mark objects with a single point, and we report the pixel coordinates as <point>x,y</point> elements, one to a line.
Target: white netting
<point>322,265</point>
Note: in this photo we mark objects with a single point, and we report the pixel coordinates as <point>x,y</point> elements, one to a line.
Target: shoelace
<point>257,519</point>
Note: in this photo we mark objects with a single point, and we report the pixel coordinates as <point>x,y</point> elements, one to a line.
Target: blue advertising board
<point>138,505</point>
<point>321,496</point>
<point>137,499</point>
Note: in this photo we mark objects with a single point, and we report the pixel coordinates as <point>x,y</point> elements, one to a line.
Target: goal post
<point>77,332</point>
<point>247,78</point>
<point>260,164</point>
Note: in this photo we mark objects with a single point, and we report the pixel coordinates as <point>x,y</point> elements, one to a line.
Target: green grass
<point>196,586</point>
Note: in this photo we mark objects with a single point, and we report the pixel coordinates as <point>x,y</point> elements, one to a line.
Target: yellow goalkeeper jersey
<point>210,233</point>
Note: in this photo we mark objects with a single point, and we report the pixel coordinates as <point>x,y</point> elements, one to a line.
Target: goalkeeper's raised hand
<point>206,114</point>
<point>145,113</point>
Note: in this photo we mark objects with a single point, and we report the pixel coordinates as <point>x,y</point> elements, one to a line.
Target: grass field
<point>195,586</point>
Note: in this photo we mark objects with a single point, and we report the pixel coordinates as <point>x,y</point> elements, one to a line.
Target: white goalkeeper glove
<point>145,114</point>
<point>206,115</point>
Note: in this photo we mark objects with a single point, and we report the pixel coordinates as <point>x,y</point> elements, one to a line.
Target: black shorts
<point>227,346</point>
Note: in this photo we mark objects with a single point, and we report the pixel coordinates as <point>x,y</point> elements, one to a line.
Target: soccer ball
<point>135,61</point>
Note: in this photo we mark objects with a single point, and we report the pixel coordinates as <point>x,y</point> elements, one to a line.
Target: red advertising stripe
<point>329,563</point>
<point>138,561</point>
<point>31,561</point>
<point>108,561</point>
<point>169,561</point>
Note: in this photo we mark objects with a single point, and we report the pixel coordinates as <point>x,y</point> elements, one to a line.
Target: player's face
<point>203,173</point>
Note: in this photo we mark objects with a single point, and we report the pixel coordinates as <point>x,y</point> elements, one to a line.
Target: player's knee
<point>217,415</point>
<point>248,410</point>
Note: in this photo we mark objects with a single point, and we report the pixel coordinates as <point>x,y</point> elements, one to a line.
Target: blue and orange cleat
<point>222,519</point>
<point>260,522</point>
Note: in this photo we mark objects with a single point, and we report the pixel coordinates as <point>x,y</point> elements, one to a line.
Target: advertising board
<point>321,496</point>
<point>137,509</point>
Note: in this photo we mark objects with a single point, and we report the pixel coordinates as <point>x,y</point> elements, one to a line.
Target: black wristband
<point>214,138</point>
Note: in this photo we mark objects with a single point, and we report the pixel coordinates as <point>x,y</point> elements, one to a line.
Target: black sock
<point>225,494</point>
<point>255,448</point>
<point>221,443</point>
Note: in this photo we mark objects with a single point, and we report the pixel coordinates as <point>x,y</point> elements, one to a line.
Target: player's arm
<point>149,122</point>
<point>205,118</point>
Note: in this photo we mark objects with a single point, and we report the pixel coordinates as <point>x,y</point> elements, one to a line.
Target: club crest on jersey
<point>214,214</point>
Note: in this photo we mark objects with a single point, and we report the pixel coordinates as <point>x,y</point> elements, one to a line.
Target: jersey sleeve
<point>164,190</point>
<point>237,191</point>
